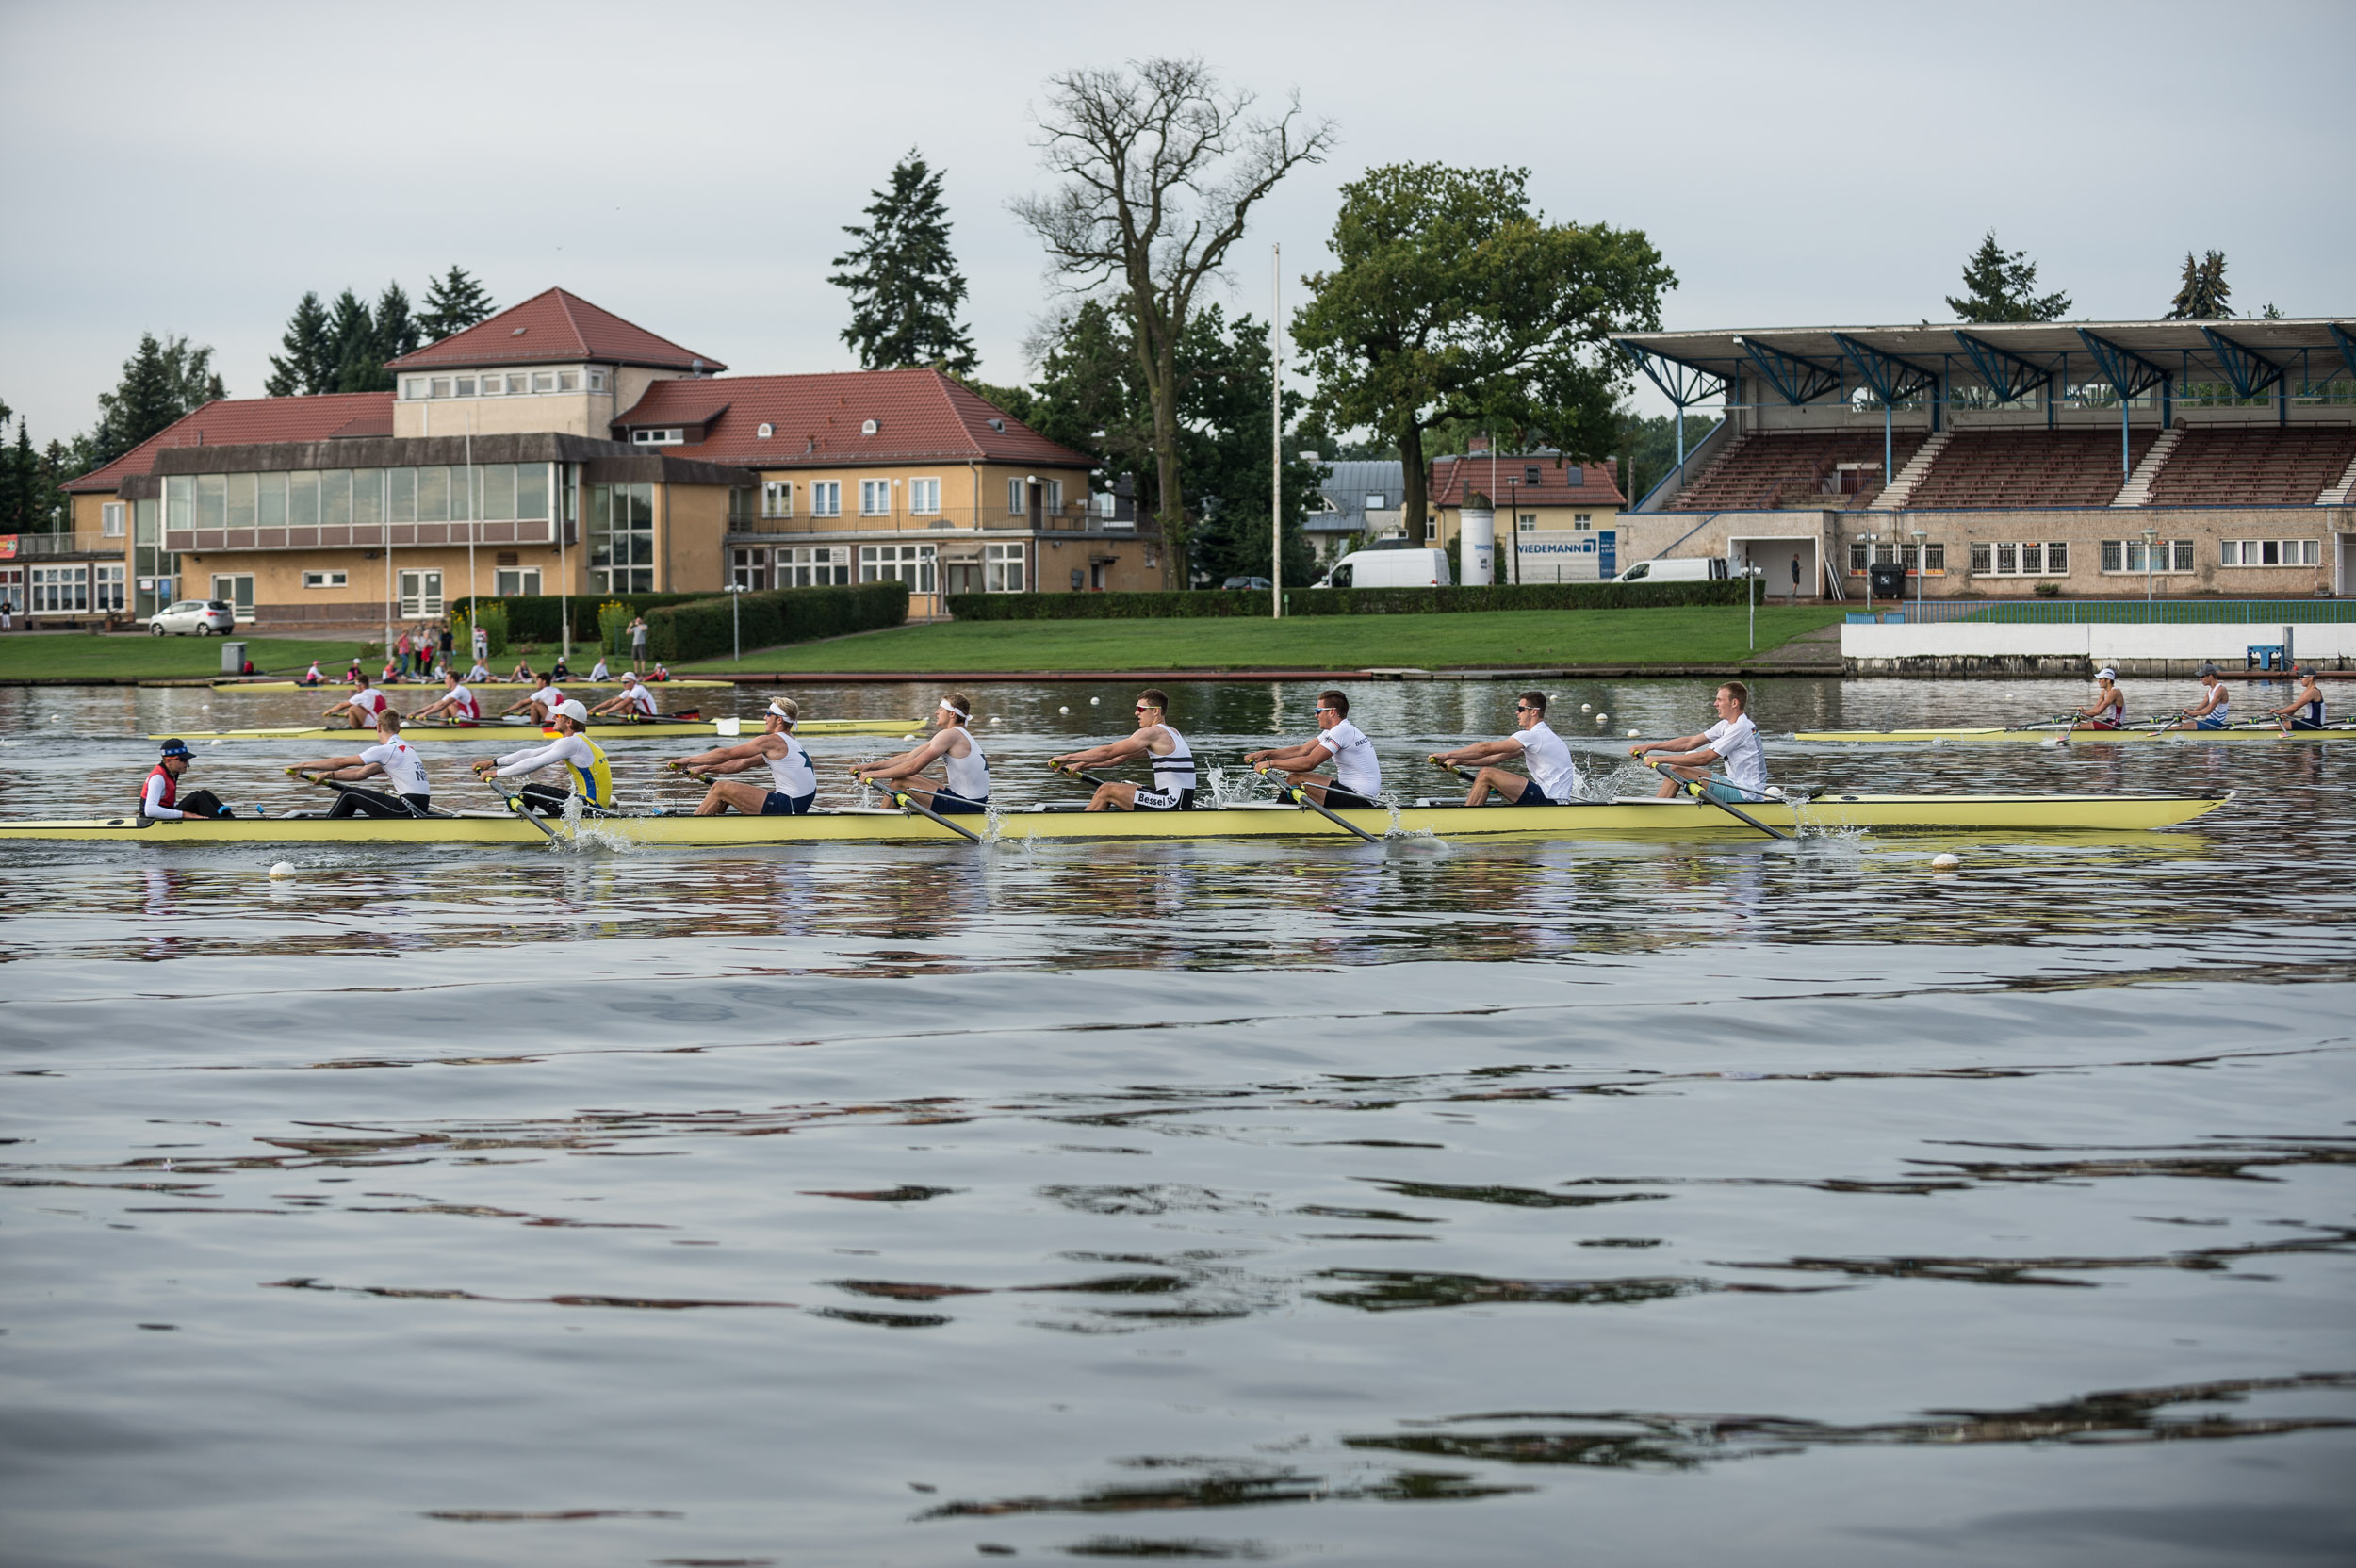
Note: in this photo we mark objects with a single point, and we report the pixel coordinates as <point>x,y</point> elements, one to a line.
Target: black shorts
<point>951,804</point>
<point>776,805</point>
<point>1532,796</point>
<point>1163,800</point>
<point>1339,799</point>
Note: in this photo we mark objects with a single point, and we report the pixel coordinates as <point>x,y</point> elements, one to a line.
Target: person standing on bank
<point>1357,776</point>
<point>392,756</point>
<point>1733,741</point>
<point>965,771</point>
<point>1553,777</point>
<point>638,643</point>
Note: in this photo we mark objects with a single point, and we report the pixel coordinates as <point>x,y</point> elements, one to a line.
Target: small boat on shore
<point>494,733</point>
<point>1628,817</point>
<point>2038,733</point>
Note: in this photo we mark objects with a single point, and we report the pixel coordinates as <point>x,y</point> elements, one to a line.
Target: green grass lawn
<point>1486,639</point>
<point>77,656</point>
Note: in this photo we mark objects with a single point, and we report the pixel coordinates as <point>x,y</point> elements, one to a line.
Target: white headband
<point>953,708</point>
<point>777,712</point>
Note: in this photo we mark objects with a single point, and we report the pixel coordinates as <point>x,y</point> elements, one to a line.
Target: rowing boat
<point>1628,817</point>
<point>435,685</point>
<point>653,729</point>
<point>2041,732</point>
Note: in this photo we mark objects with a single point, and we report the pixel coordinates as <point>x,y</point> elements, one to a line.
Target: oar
<point>1450,767</point>
<point>907,802</point>
<point>516,804</point>
<point>1300,797</point>
<point>1698,792</point>
<point>1087,778</point>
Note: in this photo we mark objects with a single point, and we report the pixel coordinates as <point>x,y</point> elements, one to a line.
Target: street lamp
<point>1513,531</point>
<point>736,624</point>
<point>2149,535</point>
<point>1919,535</point>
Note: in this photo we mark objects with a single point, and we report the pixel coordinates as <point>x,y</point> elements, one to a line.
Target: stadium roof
<point>2252,355</point>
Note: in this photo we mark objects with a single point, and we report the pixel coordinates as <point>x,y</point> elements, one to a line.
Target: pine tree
<point>147,400</point>
<point>309,363</point>
<point>2000,287</point>
<point>452,304</point>
<point>359,363</point>
<point>2203,292</point>
<point>15,476</point>
<point>396,332</point>
<point>48,502</point>
<point>904,282</point>
<point>194,382</point>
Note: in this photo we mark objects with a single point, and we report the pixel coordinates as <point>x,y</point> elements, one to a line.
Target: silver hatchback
<point>198,617</point>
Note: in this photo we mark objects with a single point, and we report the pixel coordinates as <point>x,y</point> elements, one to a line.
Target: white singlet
<point>368,700</point>
<point>1354,767</point>
<point>461,703</point>
<point>640,698</point>
<point>792,774</point>
<point>1549,762</point>
<point>1736,741</point>
<point>404,768</point>
<point>968,775</point>
<point>549,697</point>
<point>2224,709</point>
<point>1174,772</point>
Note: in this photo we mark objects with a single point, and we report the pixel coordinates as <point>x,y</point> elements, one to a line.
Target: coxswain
<point>543,700</point>
<point>2108,710</point>
<point>159,796</point>
<point>456,704</point>
<point>964,785</point>
<point>792,776</point>
<point>393,758</point>
<point>2309,696</point>
<point>1357,776</point>
<point>2215,710</point>
<point>635,704</point>
<point>1163,748</point>
<point>362,707</point>
<point>599,676</point>
<point>1733,741</point>
<point>592,778</point>
<point>1553,777</point>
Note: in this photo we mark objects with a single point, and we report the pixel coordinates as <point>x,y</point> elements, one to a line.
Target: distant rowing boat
<point>434,685</point>
<point>2039,732</point>
<point>1626,818</point>
<point>494,733</point>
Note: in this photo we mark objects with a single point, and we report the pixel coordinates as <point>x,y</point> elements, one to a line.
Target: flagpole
<point>1276,431</point>
<point>474,602</point>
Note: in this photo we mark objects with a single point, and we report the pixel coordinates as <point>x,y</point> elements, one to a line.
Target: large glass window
<point>240,500</point>
<point>303,499</point>
<point>621,538</point>
<point>499,492</point>
<point>62,590</point>
<point>532,490</point>
<point>336,498</point>
<point>180,501</point>
<point>924,496</point>
<point>212,501</point>
<point>368,497</point>
<point>433,495</point>
<point>270,500</point>
<point>403,487</point>
<point>106,589</point>
<point>1002,568</point>
<point>822,566</point>
<point>909,563</point>
<point>776,498</point>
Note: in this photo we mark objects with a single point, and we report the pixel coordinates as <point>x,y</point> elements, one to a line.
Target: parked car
<point>198,617</point>
<point>1415,568</point>
<point>1245,583</point>
<point>1698,569</point>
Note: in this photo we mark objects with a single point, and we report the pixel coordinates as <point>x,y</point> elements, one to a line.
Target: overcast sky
<point>193,169</point>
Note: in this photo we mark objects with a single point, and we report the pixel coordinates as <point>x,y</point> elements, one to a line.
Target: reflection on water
<point>891,1204</point>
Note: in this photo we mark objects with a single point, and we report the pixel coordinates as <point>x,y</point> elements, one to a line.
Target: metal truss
<point>2250,373</point>
<point>1891,378</point>
<point>2010,376</point>
<point>2130,373</point>
<point>2341,336</point>
<point>1682,384</point>
<point>1799,380</point>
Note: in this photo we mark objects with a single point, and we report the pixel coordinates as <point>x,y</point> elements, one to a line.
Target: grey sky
<point>193,169</point>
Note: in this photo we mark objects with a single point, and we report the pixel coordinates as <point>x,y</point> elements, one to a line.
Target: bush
<point>1339,602</point>
<point>702,628</point>
<point>2047,590</point>
<point>613,626</point>
<point>538,617</point>
<point>493,617</point>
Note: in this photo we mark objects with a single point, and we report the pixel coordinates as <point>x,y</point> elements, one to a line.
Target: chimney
<point>1475,443</point>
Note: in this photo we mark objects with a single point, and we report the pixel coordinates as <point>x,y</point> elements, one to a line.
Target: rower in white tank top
<point>792,772</point>
<point>1153,742</point>
<point>964,769</point>
<point>969,774</point>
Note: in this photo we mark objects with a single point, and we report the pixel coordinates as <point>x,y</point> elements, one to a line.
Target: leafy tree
<point>2002,286</point>
<point>1160,168</point>
<point>453,302</point>
<point>1225,430</point>
<point>2202,294</point>
<point>310,362</point>
<point>1648,447</point>
<point>2272,312</point>
<point>1454,301</point>
<point>904,282</point>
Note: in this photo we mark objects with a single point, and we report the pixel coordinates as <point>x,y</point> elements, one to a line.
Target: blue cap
<point>177,748</point>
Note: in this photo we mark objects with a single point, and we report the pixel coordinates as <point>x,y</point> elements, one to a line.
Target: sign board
<point>1587,555</point>
<point>8,547</point>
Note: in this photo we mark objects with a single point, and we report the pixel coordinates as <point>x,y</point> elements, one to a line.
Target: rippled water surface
<point>1487,1203</point>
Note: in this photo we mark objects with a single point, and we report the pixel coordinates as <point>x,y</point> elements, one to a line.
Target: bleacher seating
<point>1760,473</point>
<point>2246,466</point>
<point>2028,468</point>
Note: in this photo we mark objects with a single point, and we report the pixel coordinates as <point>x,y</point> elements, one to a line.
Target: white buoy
<point>212,742</point>
<point>1947,862</point>
<point>1586,707</point>
<point>1093,701</point>
<point>282,871</point>
<point>1633,734</point>
<point>1603,718</point>
<point>993,719</point>
<point>1063,709</point>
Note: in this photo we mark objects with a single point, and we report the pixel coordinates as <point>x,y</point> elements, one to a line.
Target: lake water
<point>1508,1202</point>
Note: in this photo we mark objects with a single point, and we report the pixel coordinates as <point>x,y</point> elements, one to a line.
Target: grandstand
<point>1978,455</point>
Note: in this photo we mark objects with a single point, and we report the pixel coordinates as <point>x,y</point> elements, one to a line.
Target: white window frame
<point>463,387</point>
<point>2237,553</point>
<point>441,386</point>
<point>2000,557</point>
<point>492,384</point>
<point>540,376</point>
<point>776,498</point>
<point>110,519</point>
<point>1018,498</point>
<point>1053,502</point>
<point>2169,552</point>
<point>826,497</point>
<point>914,565</point>
<point>924,498</point>
<point>568,381</point>
<point>106,589</point>
<point>58,591</point>
<point>414,388</point>
<point>325,579</point>
<point>527,581</point>
<point>673,437</point>
<point>596,380</point>
<point>1003,568</point>
<point>874,498</point>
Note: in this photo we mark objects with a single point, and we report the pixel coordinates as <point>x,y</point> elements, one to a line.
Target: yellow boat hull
<point>489,734</point>
<point>2040,733</point>
<point>1621,819</point>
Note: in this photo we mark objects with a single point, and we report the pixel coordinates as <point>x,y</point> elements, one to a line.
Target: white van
<point>1695,568</point>
<point>1391,569</point>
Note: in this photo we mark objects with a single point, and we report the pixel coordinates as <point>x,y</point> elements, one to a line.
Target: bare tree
<point>1160,166</point>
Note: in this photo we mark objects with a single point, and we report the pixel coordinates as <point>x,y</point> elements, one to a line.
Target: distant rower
<point>2309,696</point>
<point>581,757</point>
<point>1733,740</point>
<point>392,756</point>
<point>792,776</point>
<point>2215,710</point>
<point>456,704</point>
<point>2108,710</point>
<point>635,703</point>
<point>1553,777</point>
<point>965,771</point>
<point>1164,747</point>
<point>543,699</point>
<point>362,707</point>
<point>1357,776</point>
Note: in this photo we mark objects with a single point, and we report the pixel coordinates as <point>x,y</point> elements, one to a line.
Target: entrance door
<point>237,588</point>
<point>420,592</point>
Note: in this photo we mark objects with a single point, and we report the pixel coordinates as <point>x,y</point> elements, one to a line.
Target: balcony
<point>529,530</point>
<point>54,546</point>
<point>1072,516</point>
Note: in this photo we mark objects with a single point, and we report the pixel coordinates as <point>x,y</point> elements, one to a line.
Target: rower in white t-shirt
<point>1357,776</point>
<point>601,675</point>
<point>1732,740</point>
<point>362,707</point>
<point>1553,777</point>
<point>456,705</point>
<point>544,699</point>
<point>393,758</point>
<point>635,703</point>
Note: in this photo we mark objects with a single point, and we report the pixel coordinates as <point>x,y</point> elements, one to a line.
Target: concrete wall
<point>690,550</point>
<point>2163,650</point>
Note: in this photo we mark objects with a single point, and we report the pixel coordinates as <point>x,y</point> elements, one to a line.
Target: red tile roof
<point>243,421</point>
<point>921,415</point>
<point>1554,487</point>
<point>551,327</point>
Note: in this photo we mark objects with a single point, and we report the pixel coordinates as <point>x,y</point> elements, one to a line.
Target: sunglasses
<point>1143,708</point>
<point>1525,708</point>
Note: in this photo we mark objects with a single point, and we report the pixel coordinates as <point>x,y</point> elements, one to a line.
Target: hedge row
<point>703,628</point>
<point>538,617</point>
<point>1339,602</point>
